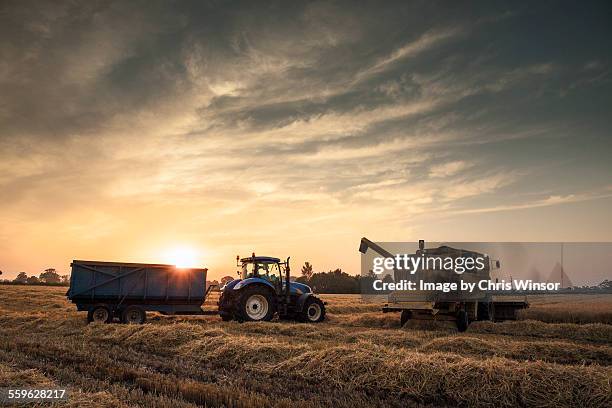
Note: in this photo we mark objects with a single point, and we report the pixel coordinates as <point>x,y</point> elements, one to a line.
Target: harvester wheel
<point>406,315</point>
<point>313,311</point>
<point>99,314</point>
<point>133,315</point>
<point>462,320</point>
<point>256,304</point>
<point>486,311</point>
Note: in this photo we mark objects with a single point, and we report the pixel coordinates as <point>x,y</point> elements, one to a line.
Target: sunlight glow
<point>182,257</point>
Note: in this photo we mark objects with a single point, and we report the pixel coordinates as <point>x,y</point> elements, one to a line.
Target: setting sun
<point>182,257</point>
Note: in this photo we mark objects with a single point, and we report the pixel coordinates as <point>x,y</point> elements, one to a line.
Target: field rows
<point>358,357</point>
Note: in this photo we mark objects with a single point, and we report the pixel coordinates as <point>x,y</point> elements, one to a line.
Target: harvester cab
<point>265,289</point>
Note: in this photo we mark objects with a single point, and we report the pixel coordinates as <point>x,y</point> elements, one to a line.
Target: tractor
<point>265,289</point>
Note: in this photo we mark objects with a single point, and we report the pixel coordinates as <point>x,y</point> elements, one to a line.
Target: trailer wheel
<point>406,315</point>
<point>256,304</point>
<point>99,314</point>
<point>313,311</point>
<point>462,320</point>
<point>133,315</point>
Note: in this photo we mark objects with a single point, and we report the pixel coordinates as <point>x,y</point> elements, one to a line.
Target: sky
<point>131,131</point>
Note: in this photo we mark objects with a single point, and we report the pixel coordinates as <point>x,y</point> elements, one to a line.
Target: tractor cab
<point>265,289</point>
<point>263,267</point>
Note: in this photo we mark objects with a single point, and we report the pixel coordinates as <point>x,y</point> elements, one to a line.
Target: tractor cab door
<point>248,270</point>
<point>272,273</point>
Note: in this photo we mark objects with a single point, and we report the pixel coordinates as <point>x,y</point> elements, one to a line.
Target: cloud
<point>411,49</point>
<point>544,202</point>
<point>448,169</point>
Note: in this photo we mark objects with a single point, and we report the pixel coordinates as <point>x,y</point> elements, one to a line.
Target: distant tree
<point>301,279</point>
<point>22,277</point>
<point>366,282</point>
<point>211,283</point>
<point>307,270</point>
<point>226,279</point>
<point>50,276</point>
<point>65,278</point>
<point>341,282</point>
<point>33,279</point>
<point>334,282</point>
<point>605,285</point>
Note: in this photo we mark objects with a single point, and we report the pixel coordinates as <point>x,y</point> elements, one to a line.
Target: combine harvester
<point>462,307</point>
<point>126,291</point>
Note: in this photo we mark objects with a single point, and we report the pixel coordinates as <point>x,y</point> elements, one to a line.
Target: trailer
<point>458,306</point>
<point>126,291</point>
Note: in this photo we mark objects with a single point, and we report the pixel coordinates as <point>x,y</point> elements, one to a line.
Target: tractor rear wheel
<point>256,304</point>
<point>313,311</point>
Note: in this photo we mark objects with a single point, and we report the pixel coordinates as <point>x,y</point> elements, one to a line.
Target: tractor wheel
<point>133,315</point>
<point>462,321</point>
<point>99,314</point>
<point>486,311</point>
<point>406,315</point>
<point>313,311</point>
<point>256,304</point>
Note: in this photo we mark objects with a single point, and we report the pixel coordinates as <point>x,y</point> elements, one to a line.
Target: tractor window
<point>269,271</point>
<point>248,270</point>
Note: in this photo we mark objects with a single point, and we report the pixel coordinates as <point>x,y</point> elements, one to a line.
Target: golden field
<point>559,355</point>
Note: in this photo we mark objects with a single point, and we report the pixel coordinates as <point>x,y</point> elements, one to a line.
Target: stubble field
<point>559,355</point>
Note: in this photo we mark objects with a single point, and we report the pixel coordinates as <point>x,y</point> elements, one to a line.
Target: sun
<point>182,257</point>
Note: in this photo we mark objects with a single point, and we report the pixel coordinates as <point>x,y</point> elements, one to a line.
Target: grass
<point>359,357</point>
<point>586,308</point>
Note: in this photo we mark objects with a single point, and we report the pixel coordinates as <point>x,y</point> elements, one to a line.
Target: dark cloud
<point>313,96</point>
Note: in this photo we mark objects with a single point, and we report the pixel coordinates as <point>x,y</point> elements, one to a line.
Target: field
<point>560,355</point>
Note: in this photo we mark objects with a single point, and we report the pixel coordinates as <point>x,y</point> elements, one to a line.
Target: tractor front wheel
<point>256,305</point>
<point>313,311</point>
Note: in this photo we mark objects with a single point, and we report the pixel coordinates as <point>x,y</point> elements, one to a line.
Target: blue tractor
<point>265,289</point>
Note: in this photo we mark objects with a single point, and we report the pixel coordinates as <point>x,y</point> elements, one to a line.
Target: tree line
<point>340,282</point>
<point>49,276</point>
<point>336,281</point>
